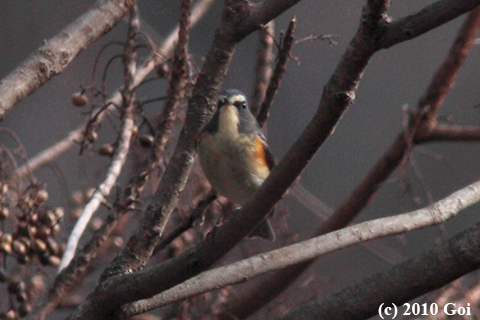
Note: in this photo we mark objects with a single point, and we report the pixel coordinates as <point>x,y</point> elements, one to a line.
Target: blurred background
<point>395,78</point>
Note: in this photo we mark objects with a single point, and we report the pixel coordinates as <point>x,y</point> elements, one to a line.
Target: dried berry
<point>43,232</point>
<point>32,231</point>
<point>21,297</point>
<point>118,242</point>
<point>162,70</point>
<point>52,246</point>
<point>96,223</point>
<point>3,188</point>
<point>77,198</point>
<point>5,247</point>
<point>4,213</point>
<point>40,245</point>
<point>92,136</point>
<point>54,261</point>
<point>88,194</point>
<point>15,287</point>
<point>23,259</point>
<point>25,309</point>
<point>134,131</point>
<point>79,99</point>
<point>50,219</point>
<point>42,196</point>
<point>59,213</point>
<point>55,230</point>
<point>146,140</point>
<point>6,238</point>
<point>11,314</point>
<point>106,150</point>
<point>33,217</point>
<point>43,257</point>
<point>3,275</point>
<point>76,213</point>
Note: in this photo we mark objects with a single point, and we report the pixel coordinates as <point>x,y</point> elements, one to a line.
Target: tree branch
<point>195,214</point>
<point>50,154</point>
<point>238,272</point>
<point>276,79</point>
<point>441,132</point>
<point>51,58</point>
<point>406,281</point>
<point>263,68</point>
<point>177,81</point>
<point>443,79</point>
<point>428,18</point>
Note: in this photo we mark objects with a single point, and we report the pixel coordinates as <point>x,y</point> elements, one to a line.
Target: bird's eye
<point>220,103</point>
<point>240,104</point>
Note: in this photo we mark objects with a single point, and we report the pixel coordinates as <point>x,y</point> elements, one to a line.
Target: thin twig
<point>321,37</point>
<point>103,190</point>
<point>263,68</point>
<point>23,153</point>
<point>177,81</point>
<point>276,79</point>
<point>194,215</point>
<point>441,132</point>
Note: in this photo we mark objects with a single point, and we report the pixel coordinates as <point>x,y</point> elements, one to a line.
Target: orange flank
<point>260,154</point>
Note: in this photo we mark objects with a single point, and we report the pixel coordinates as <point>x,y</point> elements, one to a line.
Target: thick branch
<point>436,213</point>
<point>406,281</point>
<point>59,51</point>
<point>428,18</point>
<point>443,79</point>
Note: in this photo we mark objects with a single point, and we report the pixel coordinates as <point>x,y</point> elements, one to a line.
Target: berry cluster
<point>26,239</point>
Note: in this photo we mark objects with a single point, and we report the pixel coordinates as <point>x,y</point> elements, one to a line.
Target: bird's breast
<point>232,166</point>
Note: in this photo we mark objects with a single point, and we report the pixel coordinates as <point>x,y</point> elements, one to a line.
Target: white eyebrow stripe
<point>237,98</point>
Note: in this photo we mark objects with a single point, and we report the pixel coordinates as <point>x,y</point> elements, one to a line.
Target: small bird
<point>234,154</point>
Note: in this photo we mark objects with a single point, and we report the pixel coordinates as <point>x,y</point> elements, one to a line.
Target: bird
<point>234,155</point>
